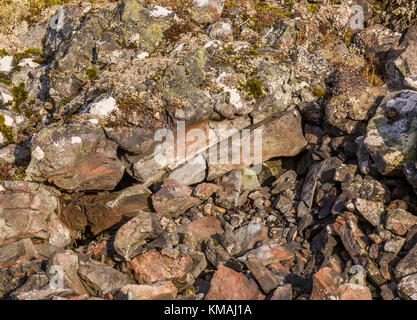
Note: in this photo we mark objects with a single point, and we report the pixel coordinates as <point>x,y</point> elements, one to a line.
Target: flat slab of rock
<point>325,285</point>
<point>399,221</point>
<point>228,284</point>
<point>75,157</point>
<point>350,291</point>
<point>99,278</point>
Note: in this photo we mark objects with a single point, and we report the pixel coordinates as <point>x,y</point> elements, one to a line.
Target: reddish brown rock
<point>270,254</point>
<point>154,266</point>
<point>75,157</point>
<point>283,293</point>
<point>205,190</point>
<point>205,227</point>
<point>325,285</point>
<point>228,284</point>
<point>350,291</point>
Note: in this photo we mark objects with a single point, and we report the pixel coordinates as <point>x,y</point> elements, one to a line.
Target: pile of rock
<point>109,128</point>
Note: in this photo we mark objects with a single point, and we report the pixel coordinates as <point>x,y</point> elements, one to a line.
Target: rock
<point>12,277</point>
<point>134,234</point>
<point>399,221</point>
<point>410,172</point>
<point>407,287</point>
<point>14,154</point>
<point>263,276</point>
<point>283,293</point>
<point>99,279</point>
<point>68,264</point>
<point>75,157</point>
<point>205,190</point>
<point>154,266</point>
<point>394,245</point>
<point>215,253</point>
<point>194,171</point>
<point>164,290</point>
<point>17,252</point>
<point>206,11</point>
<point>370,210</point>
<point>391,133</point>
<point>407,265</point>
<point>403,67</point>
<point>350,291</point>
<point>283,204</point>
<point>46,294</point>
<point>221,30</point>
<point>249,234</point>
<point>346,111</point>
<point>228,284</point>
<point>6,66</point>
<point>106,210</point>
<point>249,180</point>
<point>269,254</point>
<point>205,227</point>
<point>173,199</point>
<point>325,285</point>
<point>26,210</point>
<point>102,106</point>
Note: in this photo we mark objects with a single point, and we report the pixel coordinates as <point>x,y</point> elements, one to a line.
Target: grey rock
<point>407,265</point>
<point>100,279</point>
<point>263,276</point>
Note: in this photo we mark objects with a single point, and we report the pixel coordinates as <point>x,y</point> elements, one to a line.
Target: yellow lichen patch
<point>5,130</point>
<point>19,94</point>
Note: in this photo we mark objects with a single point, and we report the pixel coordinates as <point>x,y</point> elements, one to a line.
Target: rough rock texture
<point>75,158</point>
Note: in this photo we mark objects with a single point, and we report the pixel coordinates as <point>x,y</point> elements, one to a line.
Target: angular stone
<point>228,284</point>
<point>249,234</point>
<point>215,253</point>
<point>283,293</point>
<point>269,254</point>
<point>173,199</point>
<point>350,291</point>
<point>205,190</point>
<point>394,245</point>
<point>407,287</point>
<point>17,252</point>
<point>205,227</point>
<point>26,209</point>
<point>325,285</point>
<point>206,11</point>
<point>68,263</point>
<point>134,234</point>
<point>370,210</point>
<point>194,171</point>
<point>407,265</point>
<point>164,290</point>
<point>263,276</point>
<point>391,137</point>
<point>75,157</point>
<point>99,278</point>
<point>399,221</point>
<point>14,154</point>
<point>154,266</point>
<point>283,204</point>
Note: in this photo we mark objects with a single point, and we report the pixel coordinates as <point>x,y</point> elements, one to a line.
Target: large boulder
<point>30,210</point>
<point>75,157</point>
<point>391,137</point>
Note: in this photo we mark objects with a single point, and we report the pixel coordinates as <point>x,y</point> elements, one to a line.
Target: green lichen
<point>91,74</point>
<point>312,7</point>
<point>29,53</point>
<point>319,93</point>
<point>5,130</point>
<point>3,53</point>
<point>6,82</point>
<point>254,88</point>
<point>20,95</point>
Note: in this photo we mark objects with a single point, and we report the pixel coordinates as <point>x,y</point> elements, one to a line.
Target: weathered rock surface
<point>75,157</point>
